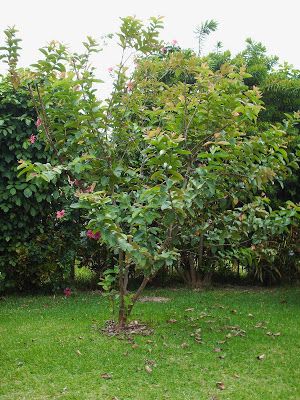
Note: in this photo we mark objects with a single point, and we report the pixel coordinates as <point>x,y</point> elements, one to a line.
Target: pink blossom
<point>60,214</point>
<point>163,50</point>
<point>32,139</point>
<point>67,292</point>
<point>110,69</point>
<point>91,235</point>
<point>174,42</point>
<point>97,235</point>
<point>38,122</point>
<point>129,85</point>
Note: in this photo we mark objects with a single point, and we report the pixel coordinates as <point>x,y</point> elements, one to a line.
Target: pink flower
<point>38,122</point>
<point>91,235</point>
<point>67,292</point>
<point>110,69</point>
<point>129,85</point>
<point>60,214</point>
<point>174,42</point>
<point>32,139</point>
<point>97,235</point>
<point>163,50</point>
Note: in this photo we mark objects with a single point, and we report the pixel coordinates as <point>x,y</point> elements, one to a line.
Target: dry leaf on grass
<point>273,335</point>
<point>261,357</point>
<point>184,345</point>
<point>261,325</point>
<point>106,375</point>
<point>220,385</point>
<point>217,350</point>
<point>148,369</point>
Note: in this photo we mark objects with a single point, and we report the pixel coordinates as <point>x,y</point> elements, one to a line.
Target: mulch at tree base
<point>112,328</point>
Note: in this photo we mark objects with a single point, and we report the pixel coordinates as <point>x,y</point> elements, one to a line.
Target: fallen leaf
<point>106,375</point>
<point>261,325</point>
<point>217,350</point>
<point>236,376</point>
<point>221,357</point>
<point>184,345</point>
<point>189,309</point>
<point>261,357</point>
<point>152,363</point>
<point>78,352</point>
<point>233,311</point>
<point>135,346</point>
<point>220,385</point>
<point>198,339</point>
<point>148,369</point>
<point>203,314</point>
<point>273,334</point>
<point>250,315</point>
<point>172,321</point>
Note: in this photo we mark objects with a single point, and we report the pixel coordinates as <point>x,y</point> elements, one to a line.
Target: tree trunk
<point>122,309</point>
<point>200,252</point>
<point>72,272</point>
<point>193,272</point>
<point>138,293</point>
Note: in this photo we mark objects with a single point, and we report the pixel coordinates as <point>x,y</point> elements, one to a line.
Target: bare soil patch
<point>154,299</point>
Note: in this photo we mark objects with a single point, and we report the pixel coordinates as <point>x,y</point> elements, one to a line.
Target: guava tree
<point>161,162</point>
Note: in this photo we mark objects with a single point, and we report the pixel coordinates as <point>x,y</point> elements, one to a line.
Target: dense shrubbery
<point>35,249</point>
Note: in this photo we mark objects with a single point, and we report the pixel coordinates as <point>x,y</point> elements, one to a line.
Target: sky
<point>275,23</point>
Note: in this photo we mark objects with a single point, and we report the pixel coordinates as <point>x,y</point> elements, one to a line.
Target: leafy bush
<point>34,250</point>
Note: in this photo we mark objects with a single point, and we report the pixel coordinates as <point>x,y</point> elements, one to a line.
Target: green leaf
<point>27,192</point>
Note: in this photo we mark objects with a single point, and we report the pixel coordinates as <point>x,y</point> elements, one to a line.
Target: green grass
<point>41,337</point>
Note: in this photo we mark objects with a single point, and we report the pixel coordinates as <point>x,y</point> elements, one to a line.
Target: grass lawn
<point>51,347</point>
